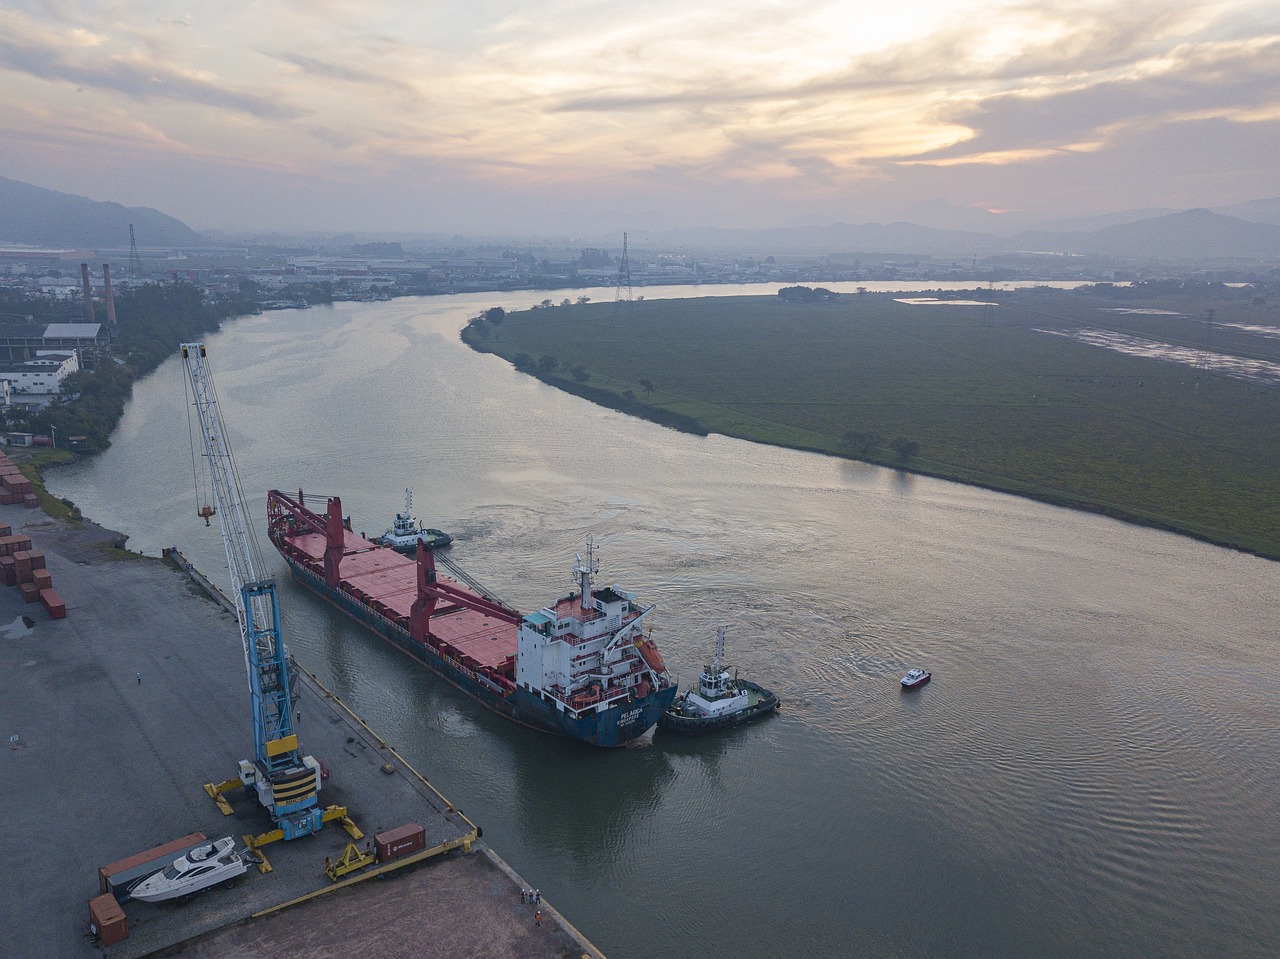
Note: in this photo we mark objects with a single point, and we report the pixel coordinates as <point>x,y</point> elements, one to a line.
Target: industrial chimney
<point>88,292</point>
<point>111,300</point>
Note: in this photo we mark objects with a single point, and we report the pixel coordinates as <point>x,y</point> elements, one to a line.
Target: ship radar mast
<point>582,572</point>
<point>408,502</point>
<point>716,667</point>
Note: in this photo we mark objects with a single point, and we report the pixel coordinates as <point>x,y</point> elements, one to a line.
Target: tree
<point>647,383</point>
<point>495,315</point>
<point>580,373</point>
<point>547,364</point>
<point>905,448</point>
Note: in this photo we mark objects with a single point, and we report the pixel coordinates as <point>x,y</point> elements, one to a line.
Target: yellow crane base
<point>216,793</point>
<point>340,814</point>
<point>332,813</point>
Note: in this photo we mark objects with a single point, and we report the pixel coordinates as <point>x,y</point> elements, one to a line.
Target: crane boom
<point>286,781</point>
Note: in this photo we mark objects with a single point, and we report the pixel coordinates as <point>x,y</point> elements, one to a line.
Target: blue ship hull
<point>615,726</point>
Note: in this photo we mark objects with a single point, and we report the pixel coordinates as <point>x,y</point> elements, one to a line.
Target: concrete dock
<point>112,720</point>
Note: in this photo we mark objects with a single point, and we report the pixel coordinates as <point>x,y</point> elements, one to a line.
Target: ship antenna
<point>408,502</point>
<point>716,667</point>
<point>582,572</point>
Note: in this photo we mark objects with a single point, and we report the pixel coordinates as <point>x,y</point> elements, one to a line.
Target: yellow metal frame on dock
<point>352,858</point>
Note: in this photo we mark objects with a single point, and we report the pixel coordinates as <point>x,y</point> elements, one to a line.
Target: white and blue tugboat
<point>406,530</point>
<point>720,701</point>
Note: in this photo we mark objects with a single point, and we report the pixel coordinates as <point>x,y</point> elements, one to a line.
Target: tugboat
<point>915,677</point>
<point>720,702</point>
<point>405,532</point>
<point>199,869</point>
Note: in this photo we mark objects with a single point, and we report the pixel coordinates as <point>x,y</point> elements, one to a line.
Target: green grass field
<point>977,394</point>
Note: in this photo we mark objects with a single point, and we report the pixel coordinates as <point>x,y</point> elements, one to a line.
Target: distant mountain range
<point>1242,233</point>
<point>33,215</point>
<point>1188,235</point>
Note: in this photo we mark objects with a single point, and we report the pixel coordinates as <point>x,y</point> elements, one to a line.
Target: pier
<point>113,720</point>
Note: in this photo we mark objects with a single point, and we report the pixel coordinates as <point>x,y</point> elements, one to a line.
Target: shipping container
<point>37,558</point>
<point>7,498</point>
<point>13,544</point>
<point>123,871</point>
<point>30,500</point>
<point>51,601</point>
<point>30,593</point>
<point>108,919</point>
<point>8,571</point>
<point>42,578</point>
<point>399,842</point>
<point>6,529</point>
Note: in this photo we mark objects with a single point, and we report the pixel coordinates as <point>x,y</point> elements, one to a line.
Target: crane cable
<point>191,439</point>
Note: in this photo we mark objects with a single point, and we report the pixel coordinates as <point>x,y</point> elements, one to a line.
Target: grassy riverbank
<point>983,395</point>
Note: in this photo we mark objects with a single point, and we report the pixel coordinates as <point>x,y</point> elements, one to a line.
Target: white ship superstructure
<point>588,653</point>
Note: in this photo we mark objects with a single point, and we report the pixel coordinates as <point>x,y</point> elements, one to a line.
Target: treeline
<point>152,320</point>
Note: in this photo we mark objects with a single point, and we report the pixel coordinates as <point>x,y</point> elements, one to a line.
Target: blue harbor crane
<point>286,782</point>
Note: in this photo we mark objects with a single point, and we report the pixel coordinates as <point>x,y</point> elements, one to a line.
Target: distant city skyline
<point>578,117</point>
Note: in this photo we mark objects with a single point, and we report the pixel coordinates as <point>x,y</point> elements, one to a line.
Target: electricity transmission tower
<point>621,300</point>
<point>135,261</point>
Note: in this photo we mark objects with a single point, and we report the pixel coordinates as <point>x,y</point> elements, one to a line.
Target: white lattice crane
<point>286,782</point>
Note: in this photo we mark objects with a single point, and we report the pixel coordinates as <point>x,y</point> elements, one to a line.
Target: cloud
<point>78,58</point>
<point>315,67</point>
<point>1232,80</point>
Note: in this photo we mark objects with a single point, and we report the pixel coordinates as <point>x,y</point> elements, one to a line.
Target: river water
<point>1094,771</point>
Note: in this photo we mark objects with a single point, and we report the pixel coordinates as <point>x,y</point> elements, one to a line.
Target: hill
<point>34,215</point>
<point>1189,235</point>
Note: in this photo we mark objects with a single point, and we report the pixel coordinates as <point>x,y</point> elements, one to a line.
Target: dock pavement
<point>113,718</point>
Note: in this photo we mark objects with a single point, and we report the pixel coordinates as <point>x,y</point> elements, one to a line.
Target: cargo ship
<point>581,668</point>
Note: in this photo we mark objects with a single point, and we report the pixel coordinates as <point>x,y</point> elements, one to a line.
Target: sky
<point>575,117</point>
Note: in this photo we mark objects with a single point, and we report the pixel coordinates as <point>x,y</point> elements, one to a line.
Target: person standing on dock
<point>537,918</point>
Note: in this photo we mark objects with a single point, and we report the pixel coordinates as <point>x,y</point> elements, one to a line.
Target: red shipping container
<point>37,558</point>
<point>108,919</point>
<point>30,593</point>
<point>6,529</point>
<point>13,544</point>
<point>7,498</point>
<point>42,578</point>
<point>401,841</point>
<point>51,601</point>
<point>8,571</point>
<point>30,500</point>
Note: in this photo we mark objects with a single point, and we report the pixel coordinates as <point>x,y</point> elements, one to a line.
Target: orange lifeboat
<point>651,655</point>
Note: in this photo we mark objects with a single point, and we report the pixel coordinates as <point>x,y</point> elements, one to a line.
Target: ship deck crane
<point>286,782</point>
